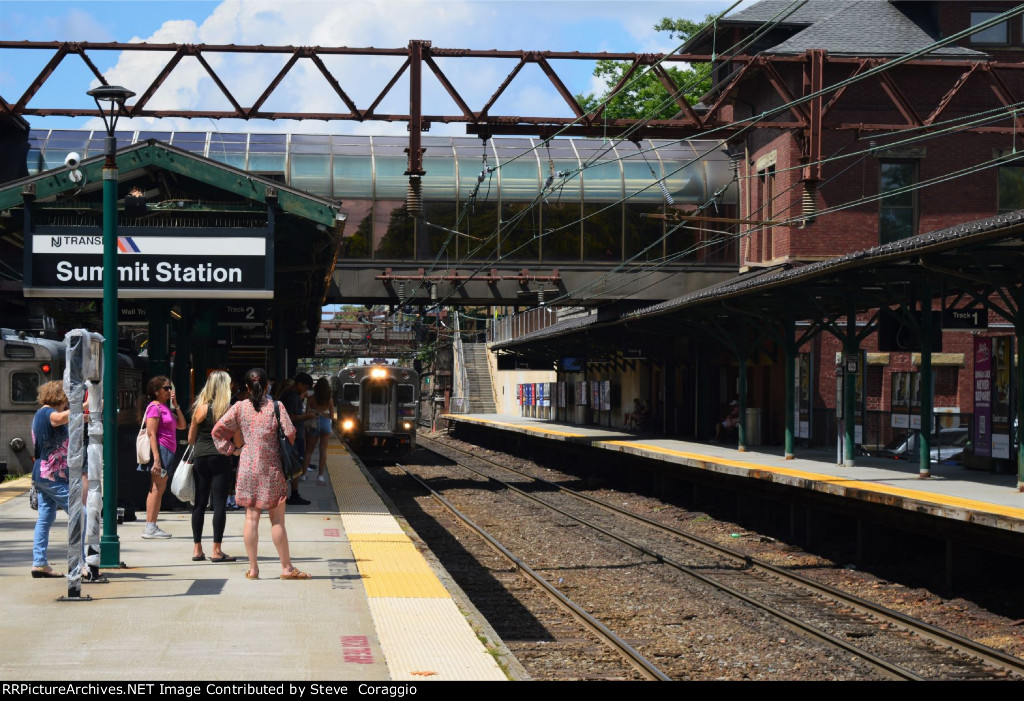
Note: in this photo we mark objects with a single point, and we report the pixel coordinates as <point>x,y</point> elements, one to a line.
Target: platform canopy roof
<point>970,265</point>
<point>185,189</point>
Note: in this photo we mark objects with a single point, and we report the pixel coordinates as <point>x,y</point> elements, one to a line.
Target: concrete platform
<point>375,609</point>
<point>952,492</point>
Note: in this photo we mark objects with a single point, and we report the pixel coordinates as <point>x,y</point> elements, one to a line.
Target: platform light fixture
<point>110,101</point>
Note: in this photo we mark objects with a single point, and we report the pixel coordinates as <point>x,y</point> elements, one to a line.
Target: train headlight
<point>378,373</point>
<point>347,425</point>
<point>406,425</point>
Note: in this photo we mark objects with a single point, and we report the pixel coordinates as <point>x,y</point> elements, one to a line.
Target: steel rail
<point>638,661</point>
<point>926,631</point>
<point>894,671</point>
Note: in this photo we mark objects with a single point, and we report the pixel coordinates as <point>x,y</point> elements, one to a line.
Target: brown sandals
<point>296,573</point>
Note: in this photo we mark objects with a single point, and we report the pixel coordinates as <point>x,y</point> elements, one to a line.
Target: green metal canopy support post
<point>1018,328</point>
<point>742,354</point>
<point>851,349</point>
<point>927,394</point>
<point>789,345</point>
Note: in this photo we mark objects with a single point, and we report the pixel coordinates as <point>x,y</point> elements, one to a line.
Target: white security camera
<point>73,160</point>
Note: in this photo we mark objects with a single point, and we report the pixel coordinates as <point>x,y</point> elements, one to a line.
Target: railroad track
<point>643,666</point>
<point>898,646</point>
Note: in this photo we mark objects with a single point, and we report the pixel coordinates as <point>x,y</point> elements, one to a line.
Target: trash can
<point>754,426</point>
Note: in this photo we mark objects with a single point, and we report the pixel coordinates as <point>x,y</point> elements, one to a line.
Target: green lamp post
<point>110,100</point>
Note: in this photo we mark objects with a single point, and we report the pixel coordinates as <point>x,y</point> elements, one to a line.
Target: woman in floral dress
<point>260,484</point>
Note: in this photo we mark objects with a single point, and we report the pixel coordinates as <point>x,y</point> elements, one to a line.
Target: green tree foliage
<point>645,96</point>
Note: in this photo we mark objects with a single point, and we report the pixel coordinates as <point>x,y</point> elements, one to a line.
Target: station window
<point>897,215</point>
<point>24,387</point>
<point>1011,188</point>
<point>996,34</point>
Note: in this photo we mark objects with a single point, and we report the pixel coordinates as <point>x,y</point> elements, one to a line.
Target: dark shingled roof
<point>842,27</point>
<point>867,28</point>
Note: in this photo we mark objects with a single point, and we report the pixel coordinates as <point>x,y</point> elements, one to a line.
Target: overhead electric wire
<point>748,122</point>
<point>792,7</point>
<point>1013,12</point>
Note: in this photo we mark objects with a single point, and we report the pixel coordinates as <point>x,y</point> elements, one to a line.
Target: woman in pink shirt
<point>161,423</point>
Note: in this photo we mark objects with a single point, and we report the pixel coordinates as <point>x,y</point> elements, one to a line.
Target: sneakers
<point>296,500</point>
<point>155,532</point>
<point>321,481</point>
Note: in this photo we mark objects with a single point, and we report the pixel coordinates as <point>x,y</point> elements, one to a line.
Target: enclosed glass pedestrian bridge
<point>567,200</point>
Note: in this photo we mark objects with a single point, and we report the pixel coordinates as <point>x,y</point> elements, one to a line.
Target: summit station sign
<point>152,266</point>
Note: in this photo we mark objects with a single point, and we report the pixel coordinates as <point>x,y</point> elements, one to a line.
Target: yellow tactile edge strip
<point>14,488</point>
<point>515,427</point>
<point>841,483</point>
<point>394,569</point>
<point>420,629</point>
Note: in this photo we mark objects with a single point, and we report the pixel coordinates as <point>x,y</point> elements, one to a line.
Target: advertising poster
<point>561,395</point>
<point>581,393</point>
<point>983,397</point>
<point>606,395</point>
<point>899,410</point>
<point>1002,370</point>
<point>915,400</point>
<point>802,420</point>
<point>595,395</point>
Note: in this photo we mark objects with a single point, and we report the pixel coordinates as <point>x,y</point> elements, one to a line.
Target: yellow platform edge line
<point>14,488</point>
<point>846,483</point>
<point>531,429</point>
<point>397,572</point>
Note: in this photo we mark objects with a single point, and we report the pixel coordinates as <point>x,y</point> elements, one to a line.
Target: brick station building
<point>918,147</point>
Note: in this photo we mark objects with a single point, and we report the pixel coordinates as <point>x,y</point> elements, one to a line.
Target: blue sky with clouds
<point>566,25</point>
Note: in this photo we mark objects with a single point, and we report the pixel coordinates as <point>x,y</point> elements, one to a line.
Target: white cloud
<point>387,24</point>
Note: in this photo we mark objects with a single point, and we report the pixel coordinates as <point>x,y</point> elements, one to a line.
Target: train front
<point>378,407</point>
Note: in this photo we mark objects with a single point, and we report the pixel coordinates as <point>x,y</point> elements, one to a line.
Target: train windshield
<point>350,393</point>
<point>406,394</point>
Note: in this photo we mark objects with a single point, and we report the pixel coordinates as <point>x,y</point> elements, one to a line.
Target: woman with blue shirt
<point>50,469</point>
<point>161,423</point>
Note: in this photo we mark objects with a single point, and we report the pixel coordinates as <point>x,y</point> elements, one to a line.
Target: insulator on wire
<point>665,192</point>
<point>414,197</point>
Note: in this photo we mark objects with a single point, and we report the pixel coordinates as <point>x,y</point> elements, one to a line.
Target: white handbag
<point>143,448</point>
<point>183,485</point>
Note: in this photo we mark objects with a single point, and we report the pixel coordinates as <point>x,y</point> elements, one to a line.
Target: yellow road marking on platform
<point>846,483</point>
<point>14,488</point>
<point>391,566</point>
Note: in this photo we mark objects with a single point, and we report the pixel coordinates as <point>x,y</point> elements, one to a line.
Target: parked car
<point>946,445</point>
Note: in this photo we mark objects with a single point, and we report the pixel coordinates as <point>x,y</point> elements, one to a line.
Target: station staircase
<point>478,376</point>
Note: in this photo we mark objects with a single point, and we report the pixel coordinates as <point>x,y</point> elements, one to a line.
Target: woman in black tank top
<point>211,469</point>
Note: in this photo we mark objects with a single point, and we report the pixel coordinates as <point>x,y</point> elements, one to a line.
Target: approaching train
<point>378,406</point>
<point>26,363</point>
